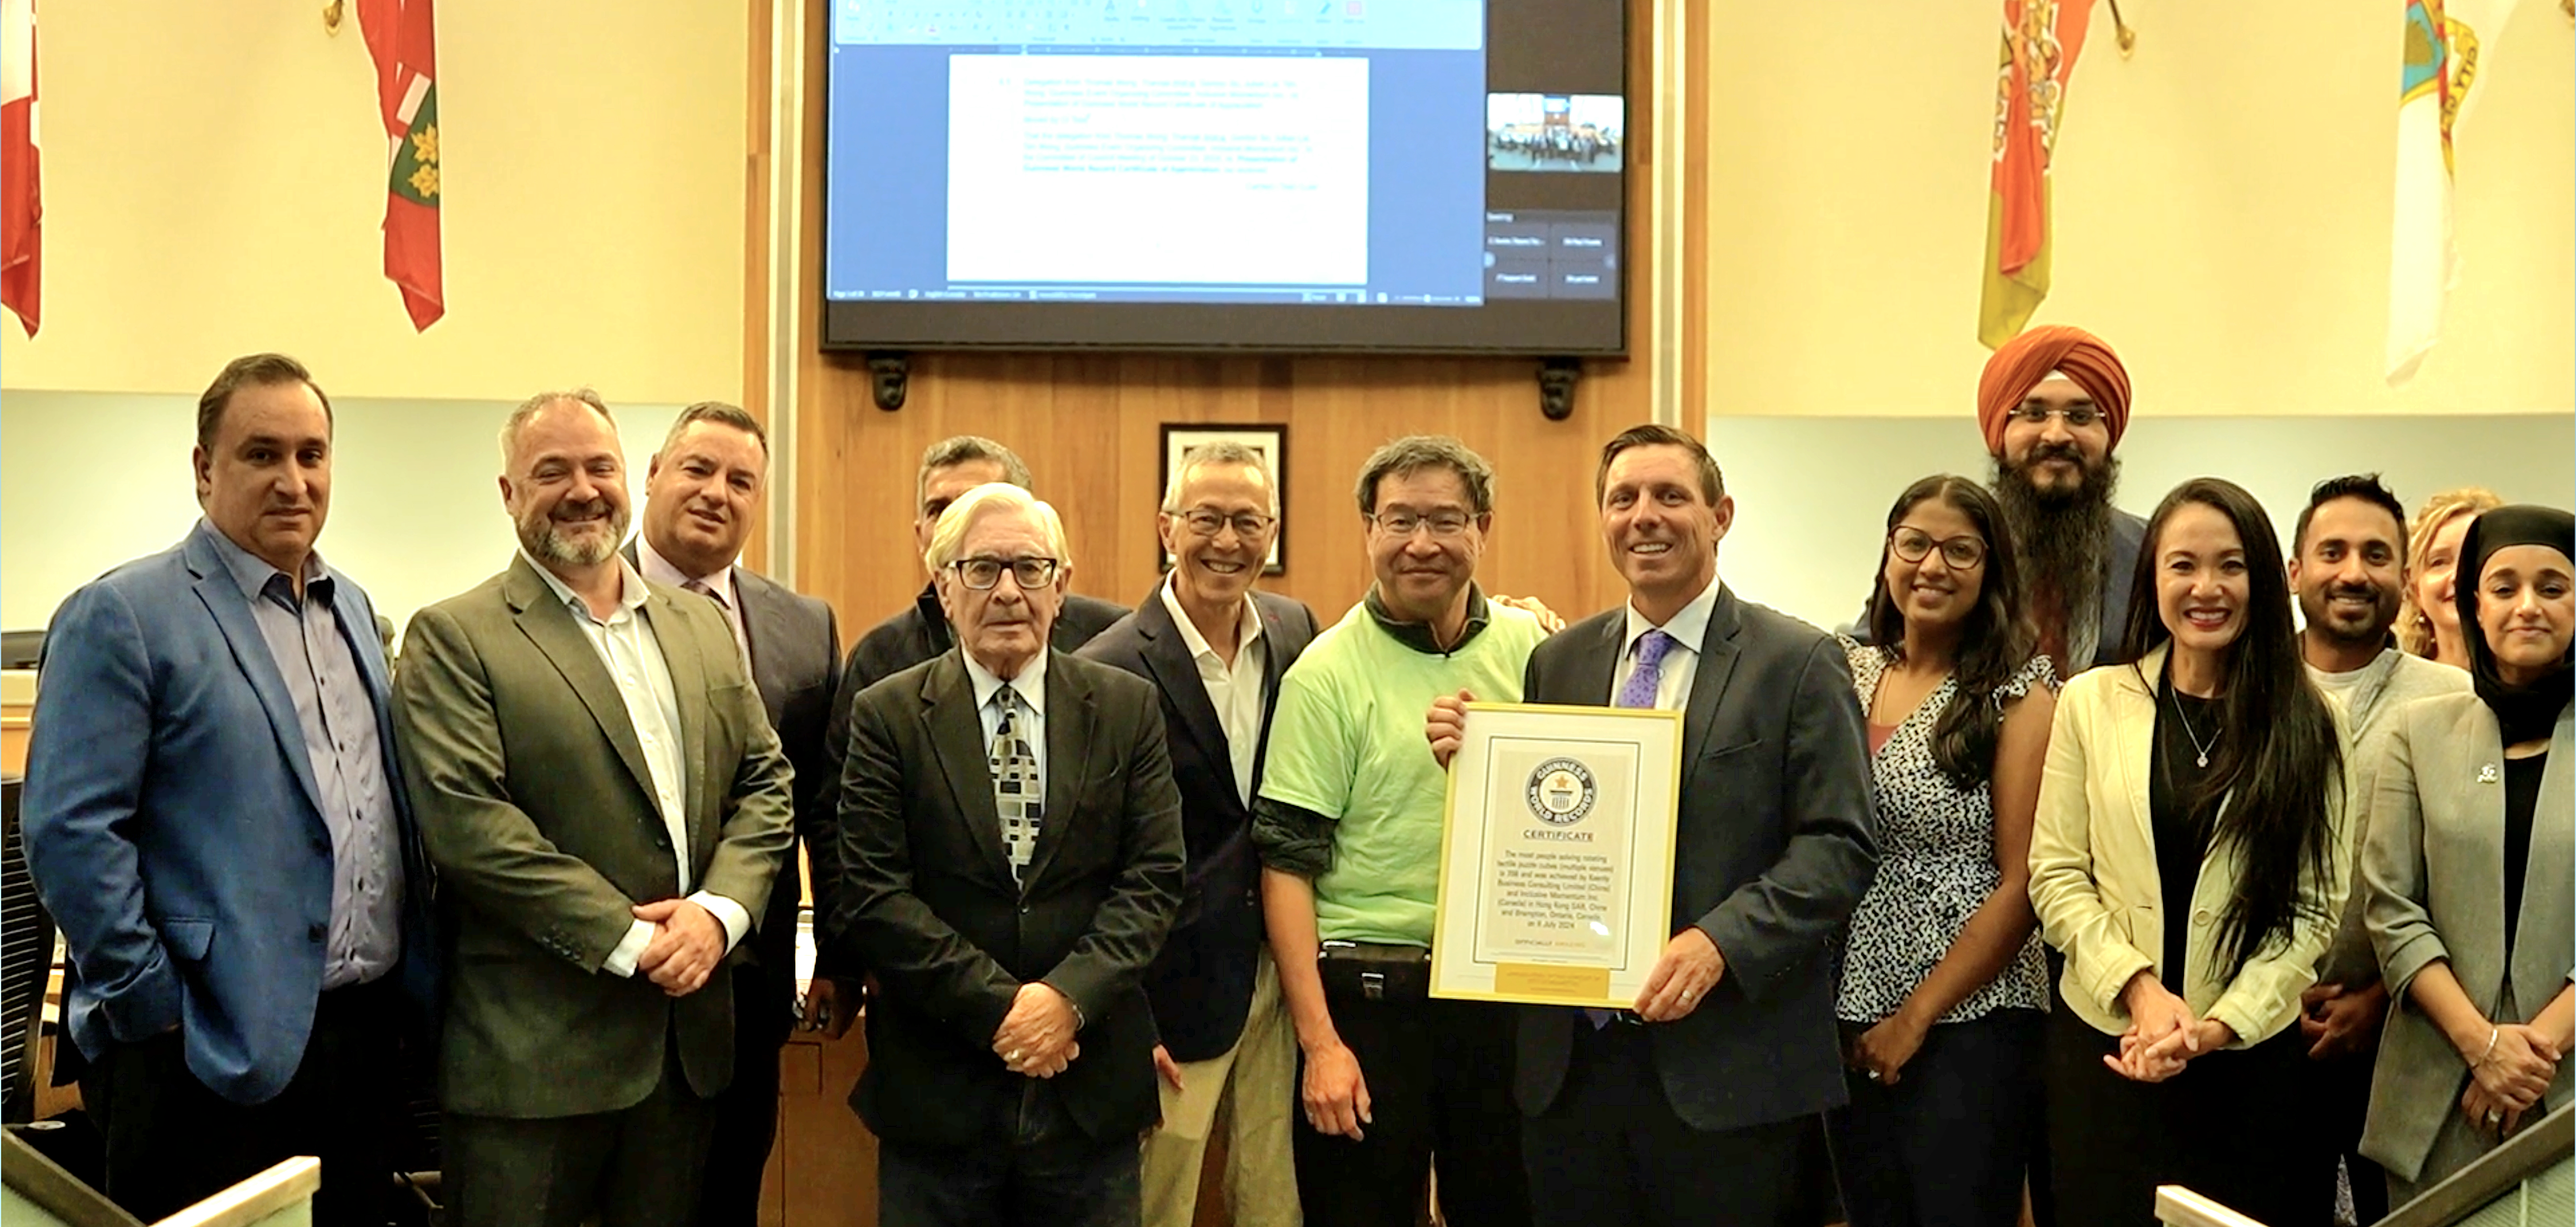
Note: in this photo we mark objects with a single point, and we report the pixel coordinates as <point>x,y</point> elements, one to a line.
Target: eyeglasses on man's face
<point>1208,523</point>
<point>981,574</point>
<point>2076,417</point>
<point>1444,526</point>
<point>1914,545</point>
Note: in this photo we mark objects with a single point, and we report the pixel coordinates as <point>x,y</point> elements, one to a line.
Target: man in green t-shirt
<point>1348,826</point>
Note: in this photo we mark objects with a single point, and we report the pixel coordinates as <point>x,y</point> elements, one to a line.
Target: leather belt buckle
<point>1373,985</point>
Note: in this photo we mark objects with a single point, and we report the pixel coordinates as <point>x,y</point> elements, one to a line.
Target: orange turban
<point>2022,362</point>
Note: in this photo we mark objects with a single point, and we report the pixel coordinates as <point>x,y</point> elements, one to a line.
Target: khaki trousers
<point>1250,1090</point>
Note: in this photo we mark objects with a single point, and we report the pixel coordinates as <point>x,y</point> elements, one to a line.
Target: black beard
<point>2063,540</point>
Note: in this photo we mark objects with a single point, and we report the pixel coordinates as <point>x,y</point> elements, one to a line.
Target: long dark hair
<point>2277,770</point>
<point>1994,643</point>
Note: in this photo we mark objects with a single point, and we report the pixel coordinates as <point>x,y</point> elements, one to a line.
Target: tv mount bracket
<point>1556,380</point>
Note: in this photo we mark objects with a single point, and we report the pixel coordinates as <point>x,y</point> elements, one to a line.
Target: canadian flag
<point>22,197</point>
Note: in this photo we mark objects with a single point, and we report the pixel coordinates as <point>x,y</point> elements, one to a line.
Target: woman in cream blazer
<point>2159,1073</point>
<point>2479,1022</point>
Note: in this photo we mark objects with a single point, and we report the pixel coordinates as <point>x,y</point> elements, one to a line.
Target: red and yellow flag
<point>22,196</point>
<point>2040,42</point>
<point>401,36</point>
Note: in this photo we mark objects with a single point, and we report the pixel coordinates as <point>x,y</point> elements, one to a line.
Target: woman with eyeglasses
<point>2471,865</point>
<point>1943,986</point>
<point>2190,858</point>
<point>2429,626</point>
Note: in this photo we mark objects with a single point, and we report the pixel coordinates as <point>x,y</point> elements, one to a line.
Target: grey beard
<point>2064,547</point>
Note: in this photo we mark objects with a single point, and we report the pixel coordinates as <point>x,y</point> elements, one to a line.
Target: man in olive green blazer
<point>600,792</point>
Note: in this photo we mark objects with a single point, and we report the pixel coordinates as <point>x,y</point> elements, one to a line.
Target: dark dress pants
<point>746,1113</point>
<point>1038,1167</point>
<point>1439,1076</point>
<point>636,1167</point>
<point>1947,1143</point>
<point>2336,1100</point>
<point>171,1142</point>
<point>1611,1152</point>
<point>2228,1127</point>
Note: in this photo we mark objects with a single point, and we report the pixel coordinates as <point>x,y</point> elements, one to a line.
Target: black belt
<point>1373,971</point>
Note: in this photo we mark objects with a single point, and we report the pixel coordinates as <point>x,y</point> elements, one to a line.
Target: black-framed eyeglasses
<point>1207,523</point>
<point>981,574</point>
<point>1914,545</point>
<point>1443,526</point>
<point>2077,417</point>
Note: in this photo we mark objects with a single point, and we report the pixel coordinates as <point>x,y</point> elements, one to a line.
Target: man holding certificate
<point>1348,825</point>
<point>1697,1106</point>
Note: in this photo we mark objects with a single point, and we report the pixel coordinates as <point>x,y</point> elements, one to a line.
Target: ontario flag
<point>401,37</point>
<point>22,196</point>
<point>2445,40</point>
<point>2041,39</point>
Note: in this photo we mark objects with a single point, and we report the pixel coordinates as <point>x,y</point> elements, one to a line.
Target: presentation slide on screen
<point>1158,170</point>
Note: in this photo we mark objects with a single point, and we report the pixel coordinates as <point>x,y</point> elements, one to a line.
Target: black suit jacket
<point>927,901</point>
<point>796,663</point>
<point>1773,849</point>
<point>1201,985</point>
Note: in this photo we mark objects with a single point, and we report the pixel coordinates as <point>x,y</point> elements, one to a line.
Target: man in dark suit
<point>214,816</point>
<point>949,468</point>
<point>1697,1106</point>
<point>1011,856</point>
<point>607,807</point>
<point>701,492</point>
<point>1214,648</point>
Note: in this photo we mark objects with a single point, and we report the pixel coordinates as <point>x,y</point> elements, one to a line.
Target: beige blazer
<point>2434,867</point>
<point>2093,871</point>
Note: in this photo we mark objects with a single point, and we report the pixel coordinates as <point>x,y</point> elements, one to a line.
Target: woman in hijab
<point>2471,864</point>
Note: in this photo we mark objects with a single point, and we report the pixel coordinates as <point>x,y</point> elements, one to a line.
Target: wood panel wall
<point>1089,427</point>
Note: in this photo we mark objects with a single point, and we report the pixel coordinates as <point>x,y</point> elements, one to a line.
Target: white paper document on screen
<point>1158,170</point>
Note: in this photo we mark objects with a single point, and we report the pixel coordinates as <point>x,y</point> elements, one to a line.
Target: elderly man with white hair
<point>1011,858</point>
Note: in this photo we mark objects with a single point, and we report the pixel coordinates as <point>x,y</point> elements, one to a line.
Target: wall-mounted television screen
<point>1434,176</point>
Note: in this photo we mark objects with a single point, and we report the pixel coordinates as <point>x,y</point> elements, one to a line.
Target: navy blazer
<point>1774,845</point>
<point>1201,984</point>
<point>174,825</point>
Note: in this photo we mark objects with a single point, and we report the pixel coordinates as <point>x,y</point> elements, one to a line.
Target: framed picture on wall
<point>1270,440</point>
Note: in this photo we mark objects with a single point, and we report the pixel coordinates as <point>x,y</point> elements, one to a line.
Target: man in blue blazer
<point>214,817</point>
<point>1214,649</point>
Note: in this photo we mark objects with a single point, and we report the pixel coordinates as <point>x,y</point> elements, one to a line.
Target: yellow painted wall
<point>2222,204</point>
<point>214,182</point>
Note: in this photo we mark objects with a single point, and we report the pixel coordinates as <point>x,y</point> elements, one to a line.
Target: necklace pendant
<point>2204,760</point>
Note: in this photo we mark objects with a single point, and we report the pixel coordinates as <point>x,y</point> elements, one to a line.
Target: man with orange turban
<point>2053,403</point>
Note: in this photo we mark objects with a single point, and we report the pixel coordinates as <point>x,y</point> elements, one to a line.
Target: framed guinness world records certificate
<point>1556,854</point>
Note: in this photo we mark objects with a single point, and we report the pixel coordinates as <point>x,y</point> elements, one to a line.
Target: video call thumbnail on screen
<point>1044,173</point>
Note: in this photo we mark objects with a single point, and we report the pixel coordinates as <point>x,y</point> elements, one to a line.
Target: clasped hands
<point>688,942</point>
<point>2508,1077</point>
<point>1036,1038</point>
<point>2163,1035</point>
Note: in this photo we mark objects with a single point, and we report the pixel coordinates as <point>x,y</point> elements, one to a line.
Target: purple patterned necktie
<point>1649,675</point>
<point>1640,690</point>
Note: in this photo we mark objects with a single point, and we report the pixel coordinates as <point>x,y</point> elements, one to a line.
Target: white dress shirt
<point>1681,660</point>
<point>719,586</point>
<point>633,654</point>
<point>1234,690</point>
<point>1030,686</point>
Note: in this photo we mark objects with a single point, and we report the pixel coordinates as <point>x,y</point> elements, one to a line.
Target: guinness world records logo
<point>1560,792</point>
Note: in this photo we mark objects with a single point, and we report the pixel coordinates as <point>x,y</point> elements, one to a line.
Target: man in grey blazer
<point>606,807</point>
<point>2348,568</point>
<point>701,492</point>
<point>1698,1105</point>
